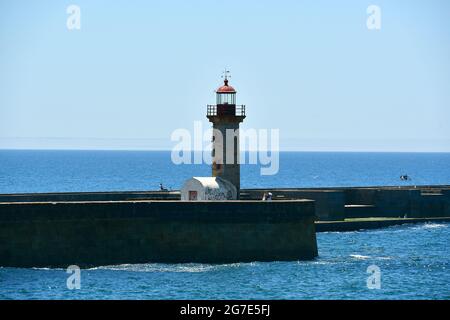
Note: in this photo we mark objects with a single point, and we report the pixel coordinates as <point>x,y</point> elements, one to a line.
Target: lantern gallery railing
<point>224,109</point>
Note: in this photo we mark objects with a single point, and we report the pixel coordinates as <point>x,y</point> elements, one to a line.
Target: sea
<point>401,262</point>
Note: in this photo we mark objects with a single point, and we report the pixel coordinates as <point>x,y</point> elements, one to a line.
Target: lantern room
<point>226,103</point>
<point>225,94</point>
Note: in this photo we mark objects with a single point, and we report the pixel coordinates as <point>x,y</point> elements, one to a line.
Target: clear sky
<point>138,70</point>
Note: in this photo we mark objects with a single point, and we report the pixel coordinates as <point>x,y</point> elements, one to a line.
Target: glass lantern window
<point>226,98</point>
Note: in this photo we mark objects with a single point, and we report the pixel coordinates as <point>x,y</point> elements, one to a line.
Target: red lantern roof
<point>226,88</point>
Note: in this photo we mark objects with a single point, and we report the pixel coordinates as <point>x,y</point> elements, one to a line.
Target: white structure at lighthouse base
<point>208,188</point>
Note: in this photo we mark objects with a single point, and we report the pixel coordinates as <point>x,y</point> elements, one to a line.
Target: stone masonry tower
<point>226,117</point>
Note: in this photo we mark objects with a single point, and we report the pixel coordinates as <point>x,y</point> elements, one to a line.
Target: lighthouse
<point>226,116</point>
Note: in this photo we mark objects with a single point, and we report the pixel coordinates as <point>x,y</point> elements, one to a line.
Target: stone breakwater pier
<point>59,233</point>
<point>101,228</point>
<point>367,202</point>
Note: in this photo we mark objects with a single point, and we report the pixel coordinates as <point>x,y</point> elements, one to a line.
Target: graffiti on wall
<point>218,194</point>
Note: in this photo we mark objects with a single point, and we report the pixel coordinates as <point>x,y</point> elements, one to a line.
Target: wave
<point>384,258</point>
<point>434,225</point>
<point>359,257</point>
<point>159,267</point>
<point>406,227</point>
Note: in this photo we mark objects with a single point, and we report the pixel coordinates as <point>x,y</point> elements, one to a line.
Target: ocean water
<point>413,260</point>
<point>61,171</point>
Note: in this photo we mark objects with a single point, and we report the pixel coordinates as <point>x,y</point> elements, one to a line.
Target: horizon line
<point>254,151</point>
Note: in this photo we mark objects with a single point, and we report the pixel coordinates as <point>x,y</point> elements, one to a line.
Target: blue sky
<point>138,70</point>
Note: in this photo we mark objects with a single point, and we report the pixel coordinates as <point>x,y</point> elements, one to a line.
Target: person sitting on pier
<point>267,196</point>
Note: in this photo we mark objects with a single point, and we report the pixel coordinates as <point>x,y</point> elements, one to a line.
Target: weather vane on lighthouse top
<point>226,74</point>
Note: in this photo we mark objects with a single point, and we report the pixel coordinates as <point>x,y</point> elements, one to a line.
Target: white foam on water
<point>434,225</point>
<point>159,267</point>
<point>321,262</point>
<point>384,258</point>
<point>359,257</point>
<point>429,225</point>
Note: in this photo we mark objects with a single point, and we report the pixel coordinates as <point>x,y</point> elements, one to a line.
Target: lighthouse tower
<point>226,116</point>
